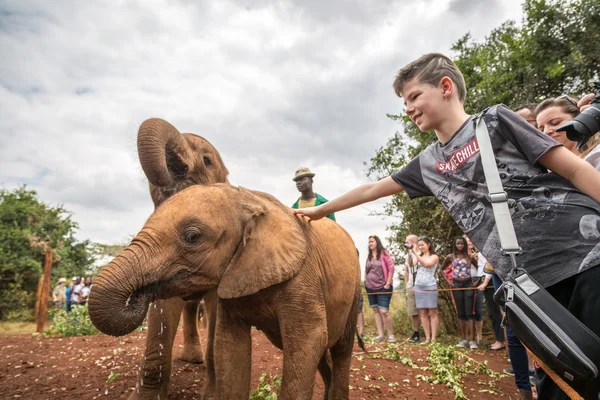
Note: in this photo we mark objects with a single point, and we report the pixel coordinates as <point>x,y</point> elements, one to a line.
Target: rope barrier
<point>565,387</point>
<point>427,290</point>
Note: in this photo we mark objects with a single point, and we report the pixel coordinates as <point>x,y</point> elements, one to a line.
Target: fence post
<point>38,298</point>
<point>43,300</point>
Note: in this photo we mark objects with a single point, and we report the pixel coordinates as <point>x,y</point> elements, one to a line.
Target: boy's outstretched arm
<point>360,195</point>
<point>577,171</point>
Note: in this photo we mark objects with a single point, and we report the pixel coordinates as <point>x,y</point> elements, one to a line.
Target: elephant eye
<point>192,235</point>
<point>207,159</point>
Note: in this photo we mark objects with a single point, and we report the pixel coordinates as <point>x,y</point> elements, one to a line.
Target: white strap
<point>497,195</point>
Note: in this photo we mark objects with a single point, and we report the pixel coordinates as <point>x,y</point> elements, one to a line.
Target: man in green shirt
<point>304,183</point>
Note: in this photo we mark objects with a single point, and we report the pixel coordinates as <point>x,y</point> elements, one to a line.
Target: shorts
<point>428,298</point>
<point>411,304</point>
<point>378,300</point>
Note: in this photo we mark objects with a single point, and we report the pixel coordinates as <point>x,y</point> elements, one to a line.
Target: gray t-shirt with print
<point>557,226</point>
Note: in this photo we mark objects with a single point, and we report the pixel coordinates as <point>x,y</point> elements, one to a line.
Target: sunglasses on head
<point>569,99</point>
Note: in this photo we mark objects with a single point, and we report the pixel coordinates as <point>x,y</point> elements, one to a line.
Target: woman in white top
<point>425,287</point>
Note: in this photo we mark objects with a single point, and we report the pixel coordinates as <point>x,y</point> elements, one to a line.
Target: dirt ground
<point>79,368</point>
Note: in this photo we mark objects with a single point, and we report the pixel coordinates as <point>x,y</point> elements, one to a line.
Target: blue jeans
<point>516,352</point>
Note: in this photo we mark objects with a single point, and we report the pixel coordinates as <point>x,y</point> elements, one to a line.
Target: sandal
<point>496,349</point>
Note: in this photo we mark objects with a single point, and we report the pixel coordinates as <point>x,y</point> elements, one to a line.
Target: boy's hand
<point>585,101</point>
<point>313,213</point>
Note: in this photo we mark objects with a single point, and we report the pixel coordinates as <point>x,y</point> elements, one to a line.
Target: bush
<point>16,304</point>
<point>268,388</point>
<point>19,315</point>
<point>75,323</point>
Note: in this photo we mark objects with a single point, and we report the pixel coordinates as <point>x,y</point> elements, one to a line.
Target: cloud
<point>273,85</point>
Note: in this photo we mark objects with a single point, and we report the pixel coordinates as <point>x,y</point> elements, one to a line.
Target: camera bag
<point>554,335</point>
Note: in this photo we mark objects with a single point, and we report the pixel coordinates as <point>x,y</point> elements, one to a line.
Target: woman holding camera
<point>554,112</point>
<point>425,287</point>
<point>379,276</point>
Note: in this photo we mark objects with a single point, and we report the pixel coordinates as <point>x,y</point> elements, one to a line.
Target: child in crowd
<point>561,253</point>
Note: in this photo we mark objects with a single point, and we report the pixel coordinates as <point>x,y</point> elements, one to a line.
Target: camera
<point>586,124</point>
<point>408,246</point>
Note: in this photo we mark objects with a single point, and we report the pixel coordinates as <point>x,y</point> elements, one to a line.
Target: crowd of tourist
<point>76,293</point>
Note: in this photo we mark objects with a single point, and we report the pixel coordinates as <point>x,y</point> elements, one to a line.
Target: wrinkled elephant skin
<point>295,281</point>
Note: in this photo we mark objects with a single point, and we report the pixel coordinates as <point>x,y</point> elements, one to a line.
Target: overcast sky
<point>274,85</point>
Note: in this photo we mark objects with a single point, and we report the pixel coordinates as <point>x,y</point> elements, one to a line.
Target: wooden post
<point>38,297</point>
<point>43,310</point>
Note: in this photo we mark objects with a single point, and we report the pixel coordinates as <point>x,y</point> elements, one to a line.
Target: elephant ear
<point>273,248</point>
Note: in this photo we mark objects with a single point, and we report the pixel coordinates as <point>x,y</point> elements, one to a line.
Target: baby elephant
<point>295,281</point>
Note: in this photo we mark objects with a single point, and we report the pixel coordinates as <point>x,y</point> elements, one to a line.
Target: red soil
<point>79,367</point>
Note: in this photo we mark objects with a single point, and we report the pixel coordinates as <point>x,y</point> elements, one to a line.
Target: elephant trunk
<point>119,301</point>
<point>163,152</point>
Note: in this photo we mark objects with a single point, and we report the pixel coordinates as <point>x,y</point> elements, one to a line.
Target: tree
<point>27,227</point>
<point>556,50</point>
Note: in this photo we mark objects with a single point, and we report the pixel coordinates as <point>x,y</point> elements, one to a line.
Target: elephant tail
<point>361,343</point>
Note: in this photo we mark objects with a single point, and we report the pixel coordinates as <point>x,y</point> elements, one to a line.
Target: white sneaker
<point>391,339</point>
<point>462,344</point>
<point>473,345</point>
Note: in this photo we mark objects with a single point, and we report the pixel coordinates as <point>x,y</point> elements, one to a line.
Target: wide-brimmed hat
<point>302,172</point>
<point>61,280</point>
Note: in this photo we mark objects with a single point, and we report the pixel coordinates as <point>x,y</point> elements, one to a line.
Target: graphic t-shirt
<point>557,226</point>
